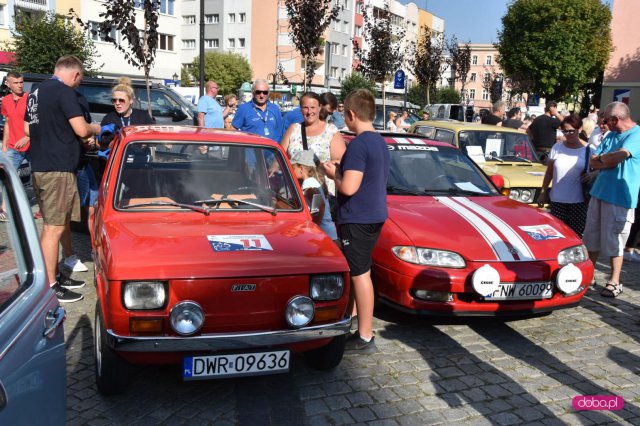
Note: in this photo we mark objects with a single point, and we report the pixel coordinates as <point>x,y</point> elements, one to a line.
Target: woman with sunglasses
<point>125,115</point>
<point>567,161</point>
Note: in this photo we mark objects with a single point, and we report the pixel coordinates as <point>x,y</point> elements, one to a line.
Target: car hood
<point>481,228</point>
<point>517,174</point>
<point>207,247</point>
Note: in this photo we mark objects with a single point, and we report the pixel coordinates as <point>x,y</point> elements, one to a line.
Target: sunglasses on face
<point>568,131</point>
<point>118,101</point>
<point>261,92</point>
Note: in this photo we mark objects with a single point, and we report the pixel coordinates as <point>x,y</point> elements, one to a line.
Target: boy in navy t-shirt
<point>361,185</point>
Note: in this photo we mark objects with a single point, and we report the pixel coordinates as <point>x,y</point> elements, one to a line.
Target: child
<point>312,183</point>
<point>361,186</point>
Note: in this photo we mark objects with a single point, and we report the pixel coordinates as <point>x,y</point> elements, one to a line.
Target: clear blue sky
<point>476,21</point>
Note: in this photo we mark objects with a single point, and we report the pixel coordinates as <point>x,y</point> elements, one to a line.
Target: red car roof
<point>192,133</point>
<point>402,138</point>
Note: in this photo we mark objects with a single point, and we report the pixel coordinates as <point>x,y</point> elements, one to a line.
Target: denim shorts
<point>87,186</point>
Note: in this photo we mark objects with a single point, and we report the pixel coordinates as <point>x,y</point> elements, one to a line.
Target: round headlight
<point>514,194</point>
<point>525,195</point>
<point>186,318</point>
<point>300,311</point>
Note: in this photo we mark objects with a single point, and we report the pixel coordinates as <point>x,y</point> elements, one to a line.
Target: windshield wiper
<point>170,204</point>
<point>404,190</point>
<point>493,157</point>
<point>237,201</point>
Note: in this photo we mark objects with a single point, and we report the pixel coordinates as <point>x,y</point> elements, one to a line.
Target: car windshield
<point>205,177</point>
<point>434,170</point>
<point>497,146</point>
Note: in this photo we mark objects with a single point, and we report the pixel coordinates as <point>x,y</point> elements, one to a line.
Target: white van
<point>449,112</point>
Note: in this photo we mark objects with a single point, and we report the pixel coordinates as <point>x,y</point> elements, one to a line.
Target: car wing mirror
<point>178,114</point>
<point>315,204</point>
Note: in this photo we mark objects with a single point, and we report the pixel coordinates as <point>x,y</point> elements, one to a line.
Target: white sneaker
<point>74,264</point>
<point>631,256</point>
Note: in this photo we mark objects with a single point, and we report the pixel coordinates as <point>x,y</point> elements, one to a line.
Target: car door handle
<point>53,320</point>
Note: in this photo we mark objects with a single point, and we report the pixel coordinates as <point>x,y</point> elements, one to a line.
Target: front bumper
<point>229,341</point>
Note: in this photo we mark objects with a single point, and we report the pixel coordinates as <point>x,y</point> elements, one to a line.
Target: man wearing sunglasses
<point>614,194</point>
<point>260,116</point>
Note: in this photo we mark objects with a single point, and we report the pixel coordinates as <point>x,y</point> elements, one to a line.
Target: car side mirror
<point>178,115</point>
<point>315,204</point>
<point>498,181</point>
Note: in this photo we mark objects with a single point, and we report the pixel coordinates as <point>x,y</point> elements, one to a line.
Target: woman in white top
<point>565,168</point>
<point>323,139</point>
<point>391,124</point>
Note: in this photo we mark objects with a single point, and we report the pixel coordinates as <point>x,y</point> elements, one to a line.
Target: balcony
<point>40,5</point>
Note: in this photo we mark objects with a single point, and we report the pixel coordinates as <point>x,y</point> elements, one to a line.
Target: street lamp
<point>274,76</point>
<point>175,79</point>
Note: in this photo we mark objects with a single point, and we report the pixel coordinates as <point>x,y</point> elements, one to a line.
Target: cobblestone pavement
<point>472,371</point>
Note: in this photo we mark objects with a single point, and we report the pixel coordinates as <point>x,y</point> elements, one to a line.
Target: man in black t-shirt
<point>543,130</point>
<point>514,118</point>
<point>54,121</point>
<point>497,113</point>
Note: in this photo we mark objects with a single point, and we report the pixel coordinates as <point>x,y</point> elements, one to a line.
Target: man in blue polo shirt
<point>260,116</point>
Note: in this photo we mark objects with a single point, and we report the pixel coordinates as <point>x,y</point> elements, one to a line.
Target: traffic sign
<point>398,80</point>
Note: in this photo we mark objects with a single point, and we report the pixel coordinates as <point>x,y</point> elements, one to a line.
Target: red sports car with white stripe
<point>454,245</point>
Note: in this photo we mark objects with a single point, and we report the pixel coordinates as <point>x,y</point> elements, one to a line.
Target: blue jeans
<point>16,157</point>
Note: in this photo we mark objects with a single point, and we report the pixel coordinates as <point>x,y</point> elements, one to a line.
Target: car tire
<point>327,356</point>
<point>112,372</point>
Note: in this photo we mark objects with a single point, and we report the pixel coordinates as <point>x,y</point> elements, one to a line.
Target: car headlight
<point>430,257</point>
<point>186,318</point>
<point>523,195</point>
<point>144,294</point>
<point>576,254</point>
<point>300,311</point>
<point>326,287</point>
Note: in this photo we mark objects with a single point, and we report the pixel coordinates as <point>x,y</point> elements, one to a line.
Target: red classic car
<point>454,245</point>
<point>206,255</point>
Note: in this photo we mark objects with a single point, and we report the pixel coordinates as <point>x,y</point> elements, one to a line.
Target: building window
<point>166,6</point>
<point>2,8</point>
<point>488,60</point>
<point>345,27</point>
<point>358,31</point>
<point>473,76</point>
<point>212,19</point>
<point>334,48</point>
<point>334,72</point>
<point>232,18</point>
<point>345,49</point>
<point>165,42</point>
<point>359,6</point>
<point>241,43</point>
<point>336,25</point>
<point>485,95</point>
<point>211,43</point>
<point>487,76</point>
<point>231,43</point>
<point>474,60</point>
<point>343,73</point>
<point>243,17</point>
<point>96,35</point>
<point>188,19</point>
<point>472,93</point>
<point>188,44</point>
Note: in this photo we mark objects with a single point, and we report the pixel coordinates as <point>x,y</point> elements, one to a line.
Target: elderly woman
<point>314,134</point>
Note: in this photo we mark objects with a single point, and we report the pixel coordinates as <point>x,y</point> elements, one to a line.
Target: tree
<point>308,20</point>
<point>425,61</point>
<point>460,61</point>
<point>384,54</point>
<point>448,95</point>
<point>355,81</point>
<point>227,69</point>
<point>491,76</point>
<point>40,40</point>
<point>556,46</point>
<point>138,45</point>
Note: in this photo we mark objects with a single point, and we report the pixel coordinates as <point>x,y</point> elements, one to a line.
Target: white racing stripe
<point>524,252</point>
<point>417,141</point>
<point>498,246</point>
<point>403,140</point>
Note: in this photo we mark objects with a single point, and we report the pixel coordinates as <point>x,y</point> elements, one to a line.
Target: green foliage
<point>40,40</point>
<point>355,81</point>
<point>227,69</point>
<point>425,61</point>
<point>448,95</point>
<point>459,60</point>
<point>186,80</point>
<point>554,48</point>
<point>417,94</point>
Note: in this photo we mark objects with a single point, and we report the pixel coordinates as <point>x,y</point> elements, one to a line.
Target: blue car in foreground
<point>32,352</point>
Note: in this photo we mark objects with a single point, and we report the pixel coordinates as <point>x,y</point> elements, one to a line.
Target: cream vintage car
<point>497,150</point>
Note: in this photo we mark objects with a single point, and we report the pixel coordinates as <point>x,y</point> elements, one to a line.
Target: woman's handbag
<point>586,186</point>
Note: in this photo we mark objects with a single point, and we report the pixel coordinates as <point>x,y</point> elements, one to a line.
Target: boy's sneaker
<point>74,264</point>
<point>65,295</point>
<point>68,282</point>
<point>355,343</point>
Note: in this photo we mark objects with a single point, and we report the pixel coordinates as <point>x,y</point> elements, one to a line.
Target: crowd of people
<point>588,157</point>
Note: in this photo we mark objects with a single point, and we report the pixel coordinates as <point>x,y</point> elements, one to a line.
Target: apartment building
<point>339,49</point>
<point>622,74</point>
